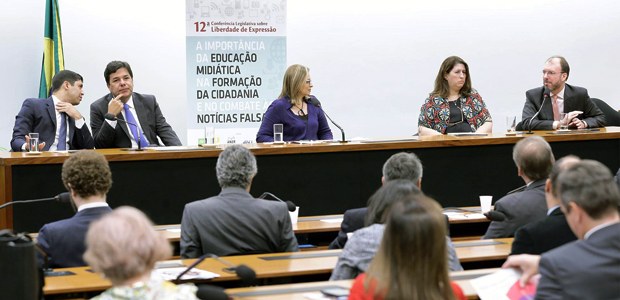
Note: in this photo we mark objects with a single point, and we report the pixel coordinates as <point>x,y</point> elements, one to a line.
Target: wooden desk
<point>298,291</point>
<point>325,179</point>
<point>313,225</point>
<point>273,265</point>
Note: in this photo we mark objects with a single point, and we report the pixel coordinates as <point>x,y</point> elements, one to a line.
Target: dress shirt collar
<point>92,205</point>
<point>130,102</point>
<point>560,94</point>
<point>56,101</point>
<point>597,228</point>
<point>552,209</point>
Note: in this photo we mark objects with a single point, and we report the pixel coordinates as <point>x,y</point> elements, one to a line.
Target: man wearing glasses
<point>543,105</point>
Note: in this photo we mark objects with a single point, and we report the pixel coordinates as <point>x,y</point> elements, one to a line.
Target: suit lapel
<point>568,93</point>
<point>51,110</point>
<point>547,107</point>
<point>71,124</point>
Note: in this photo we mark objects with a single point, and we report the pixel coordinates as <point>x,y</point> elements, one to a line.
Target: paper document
<point>172,273</point>
<point>336,220</point>
<point>504,285</point>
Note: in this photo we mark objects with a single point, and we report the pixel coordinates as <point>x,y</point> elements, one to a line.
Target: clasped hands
<point>573,121</point>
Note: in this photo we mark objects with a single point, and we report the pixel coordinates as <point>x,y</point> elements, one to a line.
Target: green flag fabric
<point>53,56</point>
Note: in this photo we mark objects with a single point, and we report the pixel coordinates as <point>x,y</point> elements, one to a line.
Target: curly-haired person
<point>87,177</point>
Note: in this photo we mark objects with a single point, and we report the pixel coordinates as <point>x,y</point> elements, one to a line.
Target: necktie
<point>62,132</point>
<point>134,130</point>
<point>556,109</point>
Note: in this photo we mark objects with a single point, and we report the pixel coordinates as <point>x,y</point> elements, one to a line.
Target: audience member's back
<point>234,222</point>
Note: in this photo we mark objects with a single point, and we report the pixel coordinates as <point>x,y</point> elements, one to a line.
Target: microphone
<point>111,117</point>
<point>211,292</point>
<point>62,198</point>
<point>314,101</point>
<point>494,215</point>
<point>545,96</point>
<point>245,273</point>
<point>289,204</point>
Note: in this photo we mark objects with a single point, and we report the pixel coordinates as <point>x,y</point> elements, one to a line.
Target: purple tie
<point>62,133</point>
<point>134,130</point>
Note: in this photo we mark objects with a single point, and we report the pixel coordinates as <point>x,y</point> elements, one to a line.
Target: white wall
<point>372,62</point>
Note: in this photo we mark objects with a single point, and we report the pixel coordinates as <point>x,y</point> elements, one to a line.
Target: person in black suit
<point>534,159</point>
<point>44,116</point>
<point>401,165</point>
<point>587,268</point>
<point>552,231</point>
<point>123,103</point>
<point>87,176</point>
<point>233,222</point>
<point>573,100</point>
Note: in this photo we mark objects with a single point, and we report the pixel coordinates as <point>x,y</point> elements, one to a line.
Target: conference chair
<point>611,115</point>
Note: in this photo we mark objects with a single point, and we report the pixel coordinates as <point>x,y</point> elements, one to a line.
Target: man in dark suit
<point>234,222</point>
<point>590,267</point>
<point>559,97</point>
<point>138,109</point>
<point>401,165</point>
<point>534,159</point>
<point>552,231</point>
<point>87,176</point>
<point>47,116</point>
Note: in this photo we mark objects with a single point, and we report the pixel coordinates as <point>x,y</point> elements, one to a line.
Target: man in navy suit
<point>590,267</point>
<point>555,97</point>
<point>87,176</point>
<point>552,231</point>
<point>46,117</point>
<point>141,110</point>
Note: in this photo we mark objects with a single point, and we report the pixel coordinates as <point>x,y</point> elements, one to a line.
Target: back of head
<point>114,66</point>
<point>65,75</point>
<point>236,166</point>
<point>402,165</point>
<point>294,79</point>
<point>558,167</point>
<point>411,262</point>
<point>533,155</point>
<point>87,173</point>
<point>590,185</point>
<point>124,245</point>
<point>442,89</point>
<point>391,192</point>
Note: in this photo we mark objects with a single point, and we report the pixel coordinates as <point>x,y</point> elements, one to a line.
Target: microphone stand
<point>111,117</point>
<point>62,197</point>
<point>538,112</point>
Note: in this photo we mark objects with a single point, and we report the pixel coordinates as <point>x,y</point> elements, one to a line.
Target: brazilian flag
<point>53,56</point>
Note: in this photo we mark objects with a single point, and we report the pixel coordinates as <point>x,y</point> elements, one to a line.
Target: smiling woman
<point>454,106</point>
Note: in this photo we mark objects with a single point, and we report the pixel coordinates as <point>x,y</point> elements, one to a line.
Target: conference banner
<point>236,58</point>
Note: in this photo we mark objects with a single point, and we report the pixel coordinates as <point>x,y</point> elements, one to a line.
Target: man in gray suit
<point>234,222</point>
<point>544,104</point>
<point>534,159</point>
<point>141,118</point>
<point>590,267</point>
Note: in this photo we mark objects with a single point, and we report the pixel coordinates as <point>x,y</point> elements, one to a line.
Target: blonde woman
<point>411,261</point>
<point>301,120</point>
<point>123,246</point>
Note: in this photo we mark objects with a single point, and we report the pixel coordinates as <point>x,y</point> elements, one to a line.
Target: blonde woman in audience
<point>123,246</point>
<point>411,261</point>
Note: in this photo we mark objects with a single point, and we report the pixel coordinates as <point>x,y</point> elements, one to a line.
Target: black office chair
<point>611,115</point>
